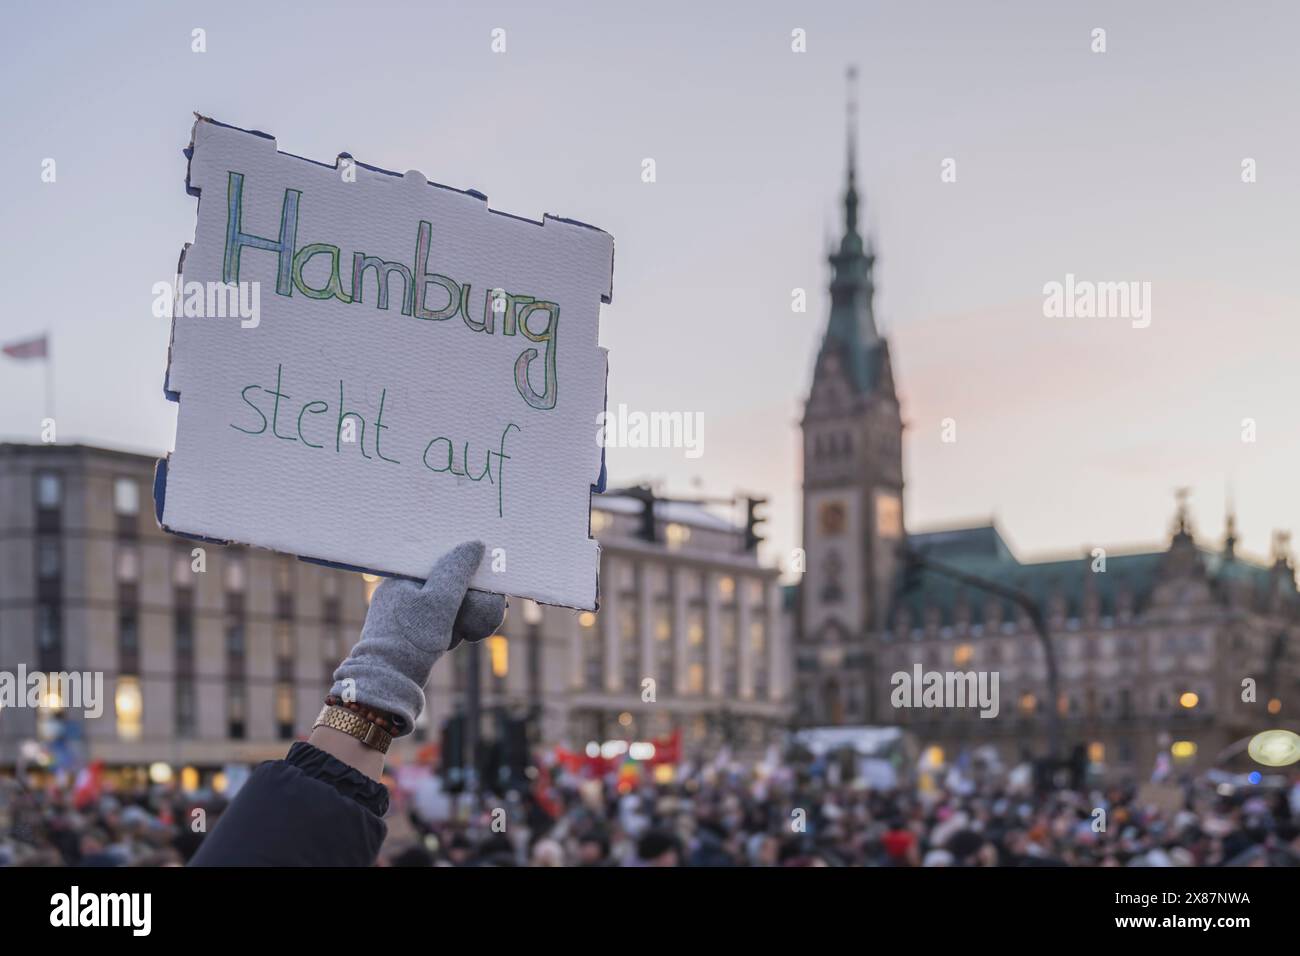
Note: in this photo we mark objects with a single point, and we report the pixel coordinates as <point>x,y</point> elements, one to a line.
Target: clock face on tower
<point>832,517</point>
<point>889,516</point>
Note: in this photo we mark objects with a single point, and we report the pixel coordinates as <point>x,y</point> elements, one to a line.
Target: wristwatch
<point>354,725</point>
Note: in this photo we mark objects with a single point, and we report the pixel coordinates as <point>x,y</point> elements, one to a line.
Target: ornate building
<point>852,490</point>
<point>214,655</point>
<point>1177,653</point>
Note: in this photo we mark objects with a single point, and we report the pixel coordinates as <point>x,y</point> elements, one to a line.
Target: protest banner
<point>370,369</point>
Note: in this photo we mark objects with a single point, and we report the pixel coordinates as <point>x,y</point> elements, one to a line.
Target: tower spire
<point>851,330</point>
<point>851,135</point>
<point>1230,535</point>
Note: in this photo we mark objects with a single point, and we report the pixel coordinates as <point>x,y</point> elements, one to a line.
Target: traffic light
<point>752,520</point>
<point>452,763</point>
<point>648,529</point>
<point>515,751</point>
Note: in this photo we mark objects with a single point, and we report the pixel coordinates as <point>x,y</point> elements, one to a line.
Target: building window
<point>889,517</point>
<point>758,655</point>
<point>284,711</point>
<point>332,651</point>
<point>183,569</point>
<point>695,627</point>
<point>127,563</point>
<point>126,497</point>
<point>695,679</point>
<point>593,652</point>
<point>49,558</point>
<point>49,491</point>
<point>730,648</point>
<point>629,636</point>
<point>284,650</point>
<point>128,642</point>
<point>185,710</point>
<point>235,572</point>
<point>49,637</point>
<point>665,647</point>
<point>283,588</point>
<point>183,629</point>
<point>677,536</point>
<point>695,650</point>
<point>283,574</point>
<point>235,643</point>
<point>130,708</point>
<point>236,706</point>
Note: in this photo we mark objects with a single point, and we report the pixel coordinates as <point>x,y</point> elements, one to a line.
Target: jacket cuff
<point>348,781</point>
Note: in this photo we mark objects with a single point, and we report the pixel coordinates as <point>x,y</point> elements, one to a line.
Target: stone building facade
<point>1153,645</point>
<point>213,655</point>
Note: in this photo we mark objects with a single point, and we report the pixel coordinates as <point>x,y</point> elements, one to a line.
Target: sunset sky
<point>1115,166</point>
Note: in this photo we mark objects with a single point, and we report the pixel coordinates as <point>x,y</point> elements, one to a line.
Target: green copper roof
<point>981,551</point>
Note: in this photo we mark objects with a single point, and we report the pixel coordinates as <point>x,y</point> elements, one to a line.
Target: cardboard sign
<point>372,368</point>
<point>1168,798</point>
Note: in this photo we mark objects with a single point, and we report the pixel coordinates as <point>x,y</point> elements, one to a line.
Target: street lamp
<point>1275,748</point>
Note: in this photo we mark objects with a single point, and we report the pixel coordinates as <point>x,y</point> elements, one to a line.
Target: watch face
<point>832,517</point>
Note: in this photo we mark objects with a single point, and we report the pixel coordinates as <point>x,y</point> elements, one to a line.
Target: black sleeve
<point>309,809</point>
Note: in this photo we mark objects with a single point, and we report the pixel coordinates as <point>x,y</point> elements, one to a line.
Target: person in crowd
<point>325,803</point>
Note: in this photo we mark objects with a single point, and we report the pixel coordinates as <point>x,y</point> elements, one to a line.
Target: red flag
<point>545,795</point>
<point>668,749</point>
<point>89,784</point>
<point>31,349</point>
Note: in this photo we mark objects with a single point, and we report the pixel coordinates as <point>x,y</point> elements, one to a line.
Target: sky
<point>1123,165</point>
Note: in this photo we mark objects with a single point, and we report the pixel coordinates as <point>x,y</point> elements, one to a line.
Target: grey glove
<point>408,627</point>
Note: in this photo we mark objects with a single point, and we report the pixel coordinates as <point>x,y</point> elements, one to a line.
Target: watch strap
<point>354,725</point>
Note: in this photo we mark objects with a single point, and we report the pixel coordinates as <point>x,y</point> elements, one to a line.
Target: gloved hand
<point>408,627</point>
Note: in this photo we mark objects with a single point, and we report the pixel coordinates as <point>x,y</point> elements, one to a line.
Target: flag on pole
<point>30,349</point>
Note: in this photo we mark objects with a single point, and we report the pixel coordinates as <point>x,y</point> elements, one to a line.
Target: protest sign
<point>371,368</point>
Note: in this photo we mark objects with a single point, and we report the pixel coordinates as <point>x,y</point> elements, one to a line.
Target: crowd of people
<point>716,814</point>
